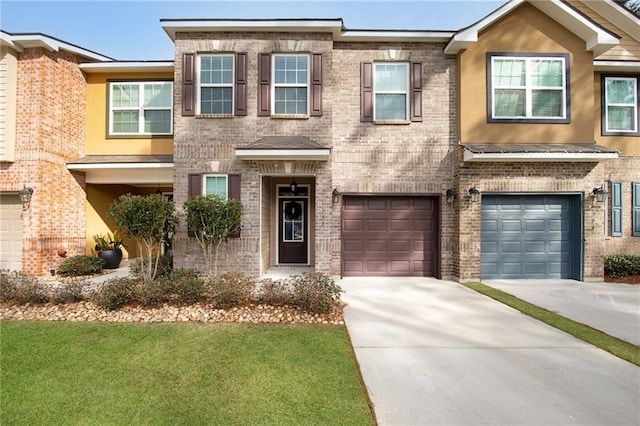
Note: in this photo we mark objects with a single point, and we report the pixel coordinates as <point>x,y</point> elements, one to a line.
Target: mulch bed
<point>630,279</point>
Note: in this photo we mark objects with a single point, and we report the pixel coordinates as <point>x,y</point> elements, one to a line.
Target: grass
<point>613,345</point>
<point>231,374</point>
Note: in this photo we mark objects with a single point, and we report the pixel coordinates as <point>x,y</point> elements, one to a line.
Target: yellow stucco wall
<point>525,30</point>
<point>97,113</point>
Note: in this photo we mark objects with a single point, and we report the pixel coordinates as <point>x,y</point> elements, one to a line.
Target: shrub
<point>115,293</point>
<point>316,293</point>
<point>152,293</point>
<point>165,265</point>
<point>81,265</point>
<point>185,285</point>
<point>231,289</point>
<point>621,265</point>
<point>274,292</point>
<point>20,288</point>
<point>68,292</point>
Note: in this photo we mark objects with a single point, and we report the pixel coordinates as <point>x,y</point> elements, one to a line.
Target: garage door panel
<point>10,232</point>
<point>525,236</point>
<point>353,225</point>
<point>398,236</point>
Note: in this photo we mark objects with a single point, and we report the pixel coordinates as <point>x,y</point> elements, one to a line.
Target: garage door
<point>530,236</point>
<point>10,232</point>
<point>393,236</point>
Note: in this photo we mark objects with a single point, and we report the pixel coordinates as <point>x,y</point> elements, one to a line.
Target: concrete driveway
<point>608,307</point>
<point>433,352</point>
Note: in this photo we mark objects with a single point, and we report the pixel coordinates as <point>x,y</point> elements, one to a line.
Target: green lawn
<point>613,345</point>
<point>189,374</point>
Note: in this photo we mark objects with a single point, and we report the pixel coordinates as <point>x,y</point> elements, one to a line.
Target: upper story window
<point>391,92</point>
<point>140,108</point>
<point>290,84</point>
<point>620,105</point>
<point>391,87</point>
<point>215,84</point>
<point>528,88</point>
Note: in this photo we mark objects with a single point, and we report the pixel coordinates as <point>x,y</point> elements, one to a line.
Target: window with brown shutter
<point>366,91</point>
<point>188,84</point>
<point>241,84</point>
<point>264,84</point>
<point>415,100</point>
<point>390,91</point>
<point>316,85</point>
<point>233,182</point>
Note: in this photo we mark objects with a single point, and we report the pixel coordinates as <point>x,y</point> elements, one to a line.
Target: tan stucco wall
<point>526,30</point>
<point>97,113</point>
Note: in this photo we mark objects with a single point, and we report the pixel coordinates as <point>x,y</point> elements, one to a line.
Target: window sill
<point>214,115</point>
<point>290,116</point>
<point>392,122</point>
<point>139,136</point>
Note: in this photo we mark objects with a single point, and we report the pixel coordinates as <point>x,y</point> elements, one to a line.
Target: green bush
<point>231,289</point>
<point>115,293</point>
<point>152,293</point>
<point>185,285</point>
<point>20,288</point>
<point>76,266</point>
<point>621,265</point>
<point>274,292</point>
<point>316,293</point>
<point>68,292</point>
<point>165,265</point>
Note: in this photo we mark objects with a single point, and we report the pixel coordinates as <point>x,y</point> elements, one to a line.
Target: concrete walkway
<point>608,307</point>
<point>433,352</point>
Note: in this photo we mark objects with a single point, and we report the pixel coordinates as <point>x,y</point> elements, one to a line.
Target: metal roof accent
<point>537,152</point>
<point>284,148</point>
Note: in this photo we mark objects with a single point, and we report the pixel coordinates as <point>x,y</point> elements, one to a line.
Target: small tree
<point>148,220</point>
<point>211,218</point>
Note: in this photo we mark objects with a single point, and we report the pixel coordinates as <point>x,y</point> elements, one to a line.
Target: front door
<point>292,230</point>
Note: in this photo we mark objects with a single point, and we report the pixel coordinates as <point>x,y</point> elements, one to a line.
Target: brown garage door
<point>394,236</point>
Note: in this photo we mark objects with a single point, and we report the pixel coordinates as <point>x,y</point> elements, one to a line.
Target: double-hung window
<point>215,185</point>
<point>620,105</point>
<point>290,84</point>
<point>391,88</point>
<point>528,88</point>
<point>215,79</point>
<point>140,108</point>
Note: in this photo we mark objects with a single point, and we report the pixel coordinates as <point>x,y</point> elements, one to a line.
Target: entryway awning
<point>125,169</point>
<point>537,152</point>
<point>284,148</point>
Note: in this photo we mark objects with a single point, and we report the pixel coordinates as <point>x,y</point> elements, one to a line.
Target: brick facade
<point>50,111</point>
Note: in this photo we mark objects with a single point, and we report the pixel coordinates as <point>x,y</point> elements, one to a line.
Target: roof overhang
<point>617,15</point>
<point>394,36</point>
<point>127,66</point>
<point>536,152</point>
<point>597,39</point>
<point>21,41</point>
<point>284,148</point>
<point>617,66</point>
<point>126,170</point>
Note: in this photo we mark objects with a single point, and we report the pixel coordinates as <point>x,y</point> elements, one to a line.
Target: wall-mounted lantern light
<point>451,196</point>
<point>600,194</point>
<point>25,197</point>
<point>335,196</point>
<point>475,194</point>
<point>293,185</point>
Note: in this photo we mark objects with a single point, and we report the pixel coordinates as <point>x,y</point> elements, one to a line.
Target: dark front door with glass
<point>292,230</point>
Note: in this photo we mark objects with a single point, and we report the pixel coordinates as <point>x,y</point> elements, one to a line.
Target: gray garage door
<point>10,232</point>
<point>530,236</point>
<point>394,236</point>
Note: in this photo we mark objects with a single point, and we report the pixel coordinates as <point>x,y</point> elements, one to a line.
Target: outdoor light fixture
<point>475,194</point>
<point>335,196</point>
<point>293,185</point>
<point>451,196</point>
<point>600,194</point>
<point>25,197</point>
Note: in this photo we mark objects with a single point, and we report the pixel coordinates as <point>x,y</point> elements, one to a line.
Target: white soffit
<point>126,174</point>
<point>596,38</point>
<point>321,154</point>
<point>21,41</point>
<point>616,66</point>
<point>127,66</point>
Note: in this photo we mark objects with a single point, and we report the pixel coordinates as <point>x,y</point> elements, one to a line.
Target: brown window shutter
<point>264,84</point>
<point>233,188</point>
<point>366,91</point>
<point>241,84</point>
<point>188,84</point>
<point>316,84</point>
<point>415,101</point>
<point>194,185</point>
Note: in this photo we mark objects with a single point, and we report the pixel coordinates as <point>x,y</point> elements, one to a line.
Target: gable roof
<point>597,39</point>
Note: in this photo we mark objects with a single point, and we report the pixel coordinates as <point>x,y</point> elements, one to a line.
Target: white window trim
<point>201,85</point>
<point>528,87</point>
<point>607,105</point>
<point>406,92</point>
<point>141,108</point>
<point>275,85</point>
<point>226,186</point>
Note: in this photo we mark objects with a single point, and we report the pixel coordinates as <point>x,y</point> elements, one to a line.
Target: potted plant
<point>108,248</point>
